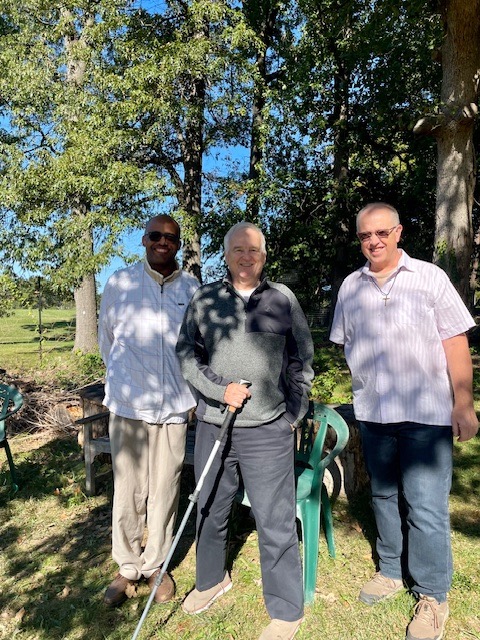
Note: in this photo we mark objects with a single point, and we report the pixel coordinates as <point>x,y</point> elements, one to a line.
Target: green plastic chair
<point>11,401</point>
<point>312,497</point>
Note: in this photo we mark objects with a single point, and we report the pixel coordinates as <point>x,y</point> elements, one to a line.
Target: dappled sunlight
<point>134,354</point>
<point>56,545</point>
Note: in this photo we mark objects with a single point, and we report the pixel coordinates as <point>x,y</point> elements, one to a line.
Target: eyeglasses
<point>381,233</point>
<point>155,236</point>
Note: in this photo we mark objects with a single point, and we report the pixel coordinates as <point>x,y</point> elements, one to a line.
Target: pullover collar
<point>263,284</point>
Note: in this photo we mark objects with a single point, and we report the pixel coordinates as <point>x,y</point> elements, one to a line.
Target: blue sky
<point>133,245</point>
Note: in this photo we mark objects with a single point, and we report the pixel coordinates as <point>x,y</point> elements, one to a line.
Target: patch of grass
<point>20,338</point>
<point>55,563</point>
<point>55,363</point>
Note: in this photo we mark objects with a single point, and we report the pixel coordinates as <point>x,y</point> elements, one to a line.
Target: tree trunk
<point>192,191</point>
<point>263,18</point>
<point>341,155</point>
<point>456,172</point>
<point>86,315</point>
<point>192,255</point>
<point>256,141</point>
<point>85,294</point>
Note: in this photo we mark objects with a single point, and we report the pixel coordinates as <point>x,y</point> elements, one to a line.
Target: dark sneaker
<point>429,618</point>
<point>119,590</point>
<point>199,601</point>
<point>281,630</point>
<point>165,591</point>
<point>379,588</point>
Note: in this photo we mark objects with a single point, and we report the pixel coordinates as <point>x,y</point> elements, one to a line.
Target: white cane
<point>193,498</point>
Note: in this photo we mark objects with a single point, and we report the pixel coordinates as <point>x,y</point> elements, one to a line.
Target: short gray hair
<point>373,206</point>
<point>239,227</point>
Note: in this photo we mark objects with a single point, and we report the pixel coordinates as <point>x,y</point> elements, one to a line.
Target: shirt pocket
<point>413,311</point>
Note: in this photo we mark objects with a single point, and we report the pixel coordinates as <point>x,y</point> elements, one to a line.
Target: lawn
<point>20,344</point>
<point>55,562</point>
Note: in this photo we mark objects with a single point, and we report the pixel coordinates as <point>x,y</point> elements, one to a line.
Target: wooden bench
<point>94,443</point>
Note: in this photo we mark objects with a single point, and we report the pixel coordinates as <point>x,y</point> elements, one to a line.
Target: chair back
<point>310,444</point>
<point>11,400</point>
<point>305,438</point>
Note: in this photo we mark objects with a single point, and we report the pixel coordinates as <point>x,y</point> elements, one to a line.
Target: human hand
<point>464,422</point>
<point>236,394</point>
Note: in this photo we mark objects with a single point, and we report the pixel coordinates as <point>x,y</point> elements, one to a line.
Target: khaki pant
<point>147,462</point>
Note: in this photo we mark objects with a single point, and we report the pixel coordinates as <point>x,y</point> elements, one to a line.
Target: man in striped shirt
<point>402,325</point>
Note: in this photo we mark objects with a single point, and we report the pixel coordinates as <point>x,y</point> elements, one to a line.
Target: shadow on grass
<point>358,515</point>
<point>466,488</point>
<point>52,331</point>
<point>55,569</point>
<point>466,480</point>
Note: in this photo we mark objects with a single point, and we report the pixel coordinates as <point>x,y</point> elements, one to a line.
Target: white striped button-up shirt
<point>394,349</point>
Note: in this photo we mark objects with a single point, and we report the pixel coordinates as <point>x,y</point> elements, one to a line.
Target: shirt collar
<point>405,262</point>
<point>158,276</point>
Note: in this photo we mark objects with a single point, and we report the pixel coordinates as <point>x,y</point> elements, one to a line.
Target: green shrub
<point>323,386</point>
<point>91,364</point>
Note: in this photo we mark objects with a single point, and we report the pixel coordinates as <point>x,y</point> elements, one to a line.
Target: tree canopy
<point>289,113</point>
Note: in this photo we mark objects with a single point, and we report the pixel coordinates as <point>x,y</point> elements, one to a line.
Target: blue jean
<point>410,468</point>
<point>265,457</point>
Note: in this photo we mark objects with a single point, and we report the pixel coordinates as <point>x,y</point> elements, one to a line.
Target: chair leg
<point>328,522</point>
<point>89,468</point>
<point>311,533</point>
<point>11,465</point>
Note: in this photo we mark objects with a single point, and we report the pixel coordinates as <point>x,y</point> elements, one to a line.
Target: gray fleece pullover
<point>265,340</point>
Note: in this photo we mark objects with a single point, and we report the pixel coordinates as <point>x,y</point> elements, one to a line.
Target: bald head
<point>379,206</point>
<point>160,219</point>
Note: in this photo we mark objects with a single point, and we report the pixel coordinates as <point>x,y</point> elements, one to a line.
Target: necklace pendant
<point>385,294</point>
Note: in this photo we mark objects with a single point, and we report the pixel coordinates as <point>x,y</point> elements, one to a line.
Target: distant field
<point>20,337</point>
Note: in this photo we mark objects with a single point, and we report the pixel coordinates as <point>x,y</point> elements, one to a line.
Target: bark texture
<point>456,170</point>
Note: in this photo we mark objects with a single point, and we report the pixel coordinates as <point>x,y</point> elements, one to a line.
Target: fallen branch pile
<point>45,408</point>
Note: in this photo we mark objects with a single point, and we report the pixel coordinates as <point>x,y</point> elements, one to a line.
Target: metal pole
<point>40,325</point>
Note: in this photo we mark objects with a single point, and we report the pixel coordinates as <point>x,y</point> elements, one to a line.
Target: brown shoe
<point>380,588</point>
<point>429,620</point>
<point>119,590</point>
<point>165,591</point>
<point>199,601</point>
<point>281,630</point>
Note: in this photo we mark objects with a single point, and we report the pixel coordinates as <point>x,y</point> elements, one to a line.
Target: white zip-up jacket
<point>140,317</point>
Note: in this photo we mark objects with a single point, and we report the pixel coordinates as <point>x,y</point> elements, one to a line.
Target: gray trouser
<point>265,456</point>
<point>147,462</point>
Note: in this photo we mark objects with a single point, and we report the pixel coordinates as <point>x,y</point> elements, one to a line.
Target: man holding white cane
<point>246,326</point>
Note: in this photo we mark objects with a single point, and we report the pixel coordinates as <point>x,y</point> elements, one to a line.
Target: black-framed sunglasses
<point>381,233</point>
<point>155,236</point>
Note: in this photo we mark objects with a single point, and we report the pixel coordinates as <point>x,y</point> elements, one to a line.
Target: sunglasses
<point>155,236</point>
<point>381,233</point>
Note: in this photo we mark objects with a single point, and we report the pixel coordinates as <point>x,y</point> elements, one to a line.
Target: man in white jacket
<point>141,313</point>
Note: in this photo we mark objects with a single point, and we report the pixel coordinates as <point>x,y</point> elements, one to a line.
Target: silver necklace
<point>385,295</point>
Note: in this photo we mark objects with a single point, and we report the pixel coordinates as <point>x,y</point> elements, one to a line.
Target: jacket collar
<point>158,276</point>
